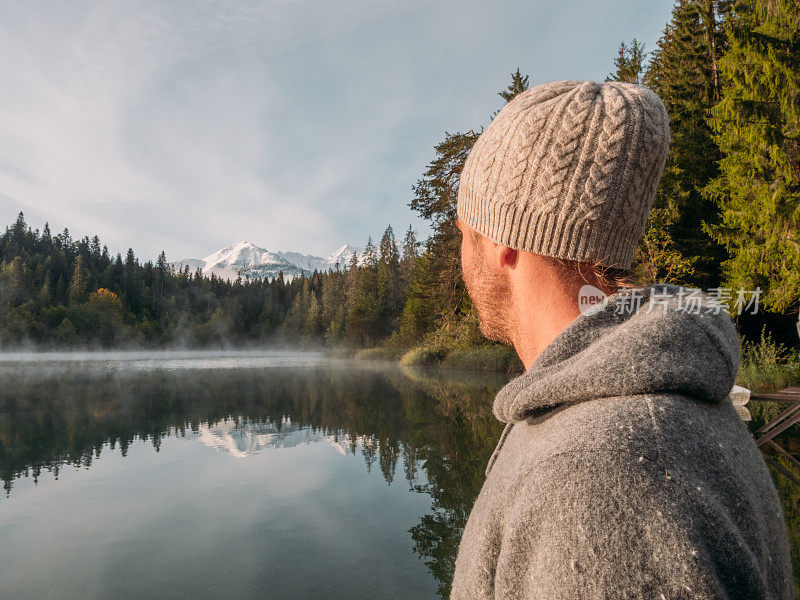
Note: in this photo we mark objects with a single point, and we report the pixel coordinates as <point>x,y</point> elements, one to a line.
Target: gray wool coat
<point>624,470</point>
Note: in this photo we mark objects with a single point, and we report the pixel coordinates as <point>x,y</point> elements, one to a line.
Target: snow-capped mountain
<point>252,262</point>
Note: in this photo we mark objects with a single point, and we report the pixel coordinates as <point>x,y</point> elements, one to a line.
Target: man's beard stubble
<point>491,294</point>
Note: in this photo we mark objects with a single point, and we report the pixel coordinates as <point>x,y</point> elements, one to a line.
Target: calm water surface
<point>244,475</point>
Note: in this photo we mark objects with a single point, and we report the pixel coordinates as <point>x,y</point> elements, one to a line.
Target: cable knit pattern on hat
<point>568,169</point>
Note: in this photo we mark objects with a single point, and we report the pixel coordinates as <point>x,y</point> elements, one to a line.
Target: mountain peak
<point>345,251</point>
<point>252,262</point>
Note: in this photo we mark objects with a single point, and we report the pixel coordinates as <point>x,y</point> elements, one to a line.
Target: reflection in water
<point>242,437</point>
<point>435,433</point>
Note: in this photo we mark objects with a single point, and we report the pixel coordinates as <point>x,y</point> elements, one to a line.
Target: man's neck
<point>539,319</point>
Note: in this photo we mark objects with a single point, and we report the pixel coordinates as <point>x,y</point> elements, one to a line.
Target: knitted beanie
<point>568,169</point>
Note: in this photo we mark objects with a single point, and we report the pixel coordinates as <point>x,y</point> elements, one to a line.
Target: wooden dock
<point>783,421</point>
<point>790,416</point>
<point>788,395</point>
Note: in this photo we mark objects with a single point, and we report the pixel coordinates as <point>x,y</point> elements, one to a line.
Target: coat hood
<point>663,338</point>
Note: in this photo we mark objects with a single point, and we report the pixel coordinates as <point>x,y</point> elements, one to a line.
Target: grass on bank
<point>379,353</point>
<point>486,357</point>
<point>767,366</point>
<point>459,345</point>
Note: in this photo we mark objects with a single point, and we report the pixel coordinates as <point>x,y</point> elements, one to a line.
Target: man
<point>623,471</point>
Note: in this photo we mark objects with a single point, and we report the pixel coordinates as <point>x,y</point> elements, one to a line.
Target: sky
<point>187,126</point>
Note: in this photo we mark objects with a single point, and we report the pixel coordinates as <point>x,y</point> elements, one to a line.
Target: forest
<point>727,214</point>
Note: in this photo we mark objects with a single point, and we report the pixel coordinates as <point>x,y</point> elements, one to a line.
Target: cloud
<point>188,126</point>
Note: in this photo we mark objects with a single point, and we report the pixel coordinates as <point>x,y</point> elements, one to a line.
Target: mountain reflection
<point>435,433</point>
<point>242,437</point>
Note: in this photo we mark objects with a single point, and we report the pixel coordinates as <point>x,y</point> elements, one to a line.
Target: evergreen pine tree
<point>387,249</point>
<point>683,73</point>
<point>95,249</point>
<point>46,241</point>
<point>160,277</point>
<point>61,292</point>
<point>65,239</point>
<point>408,260</point>
<point>45,295</point>
<point>334,305</point>
<point>410,245</point>
<point>757,126</point>
<point>15,282</point>
<point>77,283</point>
<point>130,280</point>
<point>519,83</point>
<point>629,64</point>
<point>370,256</point>
<point>19,230</point>
<point>388,277</point>
<point>313,323</point>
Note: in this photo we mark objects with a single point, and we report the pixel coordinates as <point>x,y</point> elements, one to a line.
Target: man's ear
<point>505,256</point>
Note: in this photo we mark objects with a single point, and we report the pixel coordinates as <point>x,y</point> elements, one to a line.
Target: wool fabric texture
<point>625,472</point>
<point>568,169</point>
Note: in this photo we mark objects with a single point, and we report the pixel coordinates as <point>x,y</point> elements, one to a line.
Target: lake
<point>243,475</point>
